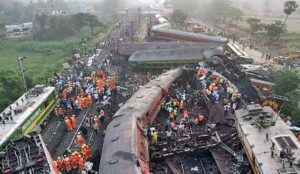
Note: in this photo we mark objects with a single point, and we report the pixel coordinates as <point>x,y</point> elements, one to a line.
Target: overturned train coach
<point>175,35</point>
<point>125,149</point>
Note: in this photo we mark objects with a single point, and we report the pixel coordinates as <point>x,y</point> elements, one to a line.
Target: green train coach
<point>27,113</point>
<point>158,59</point>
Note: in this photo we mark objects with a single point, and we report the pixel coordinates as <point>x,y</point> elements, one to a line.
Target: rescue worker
<point>74,160</point>
<point>67,163</point>
<point>68,124</point>
<point>80,163</point>
<point>73,121</point>
<point>154,136</point>
<point>86,151</point>
<point>59,163</point>
<point>79,139</point>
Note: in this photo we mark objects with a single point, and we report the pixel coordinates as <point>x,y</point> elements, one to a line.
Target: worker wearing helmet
<point>67,163</point>
<point>74,160</point>
<point>86,151</point>
<point>73,121</point>
<point>79,139</point>
<point>68,124</point>
<point>80,163</point>
<point>59,163</point>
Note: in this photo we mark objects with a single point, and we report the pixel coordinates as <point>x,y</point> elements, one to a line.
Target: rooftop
<point>15,114</point>
<point>256,137</point>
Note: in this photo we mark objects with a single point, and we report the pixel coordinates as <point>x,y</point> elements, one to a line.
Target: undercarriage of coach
<point>196,126</point>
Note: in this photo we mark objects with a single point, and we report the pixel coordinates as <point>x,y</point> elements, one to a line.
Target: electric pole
<point>139,11</point>
<point>22,71</point>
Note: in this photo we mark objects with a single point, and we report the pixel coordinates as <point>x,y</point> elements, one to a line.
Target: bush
<point>43,34</point>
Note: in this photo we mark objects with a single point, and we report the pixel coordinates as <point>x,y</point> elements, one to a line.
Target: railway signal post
<point>22,70</point>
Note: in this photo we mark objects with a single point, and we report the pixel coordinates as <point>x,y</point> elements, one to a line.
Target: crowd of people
<point>88,82</point>
<point>181,115</point>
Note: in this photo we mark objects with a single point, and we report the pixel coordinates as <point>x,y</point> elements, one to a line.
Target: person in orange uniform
<point>74,160</point>
<point>86,151</point>
<point>67,163</point>
<point>59,163</point>
<point>79,139</point>
<point>68,124</point>
<point>73,121</point>
<point>80,163</point>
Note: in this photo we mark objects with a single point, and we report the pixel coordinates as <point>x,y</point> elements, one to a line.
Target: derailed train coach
<point>125,149</point>
<point>174,35</point>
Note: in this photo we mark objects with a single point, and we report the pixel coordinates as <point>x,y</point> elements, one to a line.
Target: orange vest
<point>74,160</point>
<point>68,124</point>
<point>67,163</point>
<point>80,140</point>
<point>81,163</point>
<point>73,122</point>
<point>86,151</point>
<point>59,164</point>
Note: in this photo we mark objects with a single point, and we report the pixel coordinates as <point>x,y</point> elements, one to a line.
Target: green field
<point>41,56</point>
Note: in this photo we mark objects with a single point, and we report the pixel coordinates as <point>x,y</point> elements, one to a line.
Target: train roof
<point>189,34</point>
<point>119,152</point>
<point>279,134</point>
<point>168,54</point>
<point>25,106</point>
<point>130,48</point>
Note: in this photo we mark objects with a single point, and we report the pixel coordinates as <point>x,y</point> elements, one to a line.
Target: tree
<point>93,22</point>
<point>81,20</point>
<point>41,20</point>
<point>10,87</point>
<point>286,83</point>
<point>289,8</point>
<point>178,17</point>
<point>275,30</point>
<point>233,15</point>
<point>255,25</point>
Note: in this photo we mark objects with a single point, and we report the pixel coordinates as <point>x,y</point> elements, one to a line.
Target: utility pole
<point>131,23</point>
<point>139,11</point>
<point>22,71</point>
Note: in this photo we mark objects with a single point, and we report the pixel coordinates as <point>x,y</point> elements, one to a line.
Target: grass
<point>37,63</point>
<point>43,58</point>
